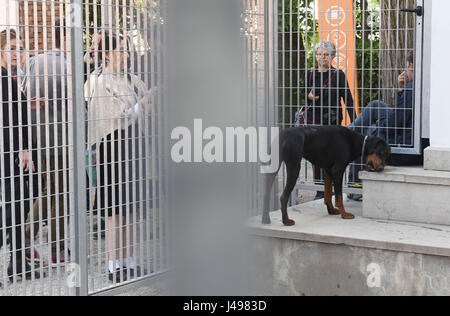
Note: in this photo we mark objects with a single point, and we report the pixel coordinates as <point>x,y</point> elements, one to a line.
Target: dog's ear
<point>376,145</point>
<point>371,145</point>
<point>387,150</point>
<point>389,159</point>
<point>383,150</point>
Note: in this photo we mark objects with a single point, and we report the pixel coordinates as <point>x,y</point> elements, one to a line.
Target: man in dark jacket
<point>393,124</point>
<point>15,157</point>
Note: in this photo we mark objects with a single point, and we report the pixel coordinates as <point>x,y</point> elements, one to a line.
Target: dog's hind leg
<point>292,170</point>
<point>329,194</point>
<point>269,179</point>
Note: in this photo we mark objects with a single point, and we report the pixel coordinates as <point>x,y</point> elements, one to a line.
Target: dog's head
<point>377,154</point>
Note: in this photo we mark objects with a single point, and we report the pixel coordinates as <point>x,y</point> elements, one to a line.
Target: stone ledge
<point>437,159</point>
<point>313,224</point>
<point>408,175</point>
<point>407,194</point>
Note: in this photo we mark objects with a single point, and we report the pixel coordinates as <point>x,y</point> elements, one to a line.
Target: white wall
<point>440,78</point>
<point>426,56</point>
<point>9,13</point>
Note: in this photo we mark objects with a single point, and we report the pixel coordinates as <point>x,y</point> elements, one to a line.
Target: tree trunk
<point>397,38</point>
<point>365,20</point>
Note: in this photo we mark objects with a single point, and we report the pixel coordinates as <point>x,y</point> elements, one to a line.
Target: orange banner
<point>337,24</point>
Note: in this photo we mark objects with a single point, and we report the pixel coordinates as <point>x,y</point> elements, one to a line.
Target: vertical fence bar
<point>79,181</point>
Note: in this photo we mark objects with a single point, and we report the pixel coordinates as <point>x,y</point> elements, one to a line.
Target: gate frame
<point>272,99</point>
<point>78,137</point>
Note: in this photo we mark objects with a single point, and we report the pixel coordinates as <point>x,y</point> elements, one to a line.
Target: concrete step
<point>407,194</point>
<point>327,255</point>
<point>314,224</point>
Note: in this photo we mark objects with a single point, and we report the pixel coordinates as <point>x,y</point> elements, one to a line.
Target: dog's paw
<point>289,222</point>
<point>348,216</point>
<point>333,211</point>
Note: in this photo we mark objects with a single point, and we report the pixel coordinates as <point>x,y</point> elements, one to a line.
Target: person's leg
<point>15,244</point>
<point>18,265</point>
<point>113,233</point>
<point>318,179</point>
<point>5,214</point>
<point>53,196</point>
<point>372,113</point>
<point>116,240</point>
<point>33,220</point>
<point>120,230</point>
<point>58,209</point>
<point>128,251</point>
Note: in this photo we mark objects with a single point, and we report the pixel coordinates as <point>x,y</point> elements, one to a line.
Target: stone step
<point>314,224</point>
<point>327,255</point>
<point>407,194</point>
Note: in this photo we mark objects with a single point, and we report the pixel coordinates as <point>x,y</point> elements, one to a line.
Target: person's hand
<point>87,57</point>
<point>312,97</point>
<point>35,104</point>
<point>147,99</point>
<point>25,162</point>
<point>402,80</point>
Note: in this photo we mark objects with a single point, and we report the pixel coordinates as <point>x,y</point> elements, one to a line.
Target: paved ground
<point>54,282</point>
<point>162,287</point>
<point>55,278</point>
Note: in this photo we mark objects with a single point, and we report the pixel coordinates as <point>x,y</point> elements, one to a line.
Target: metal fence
<point>258,54</point>
<point>346,61</point>
<point>83,181</point>
<point>91,214</point>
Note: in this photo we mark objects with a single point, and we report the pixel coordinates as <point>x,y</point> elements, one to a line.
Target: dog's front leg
<point>340,207</point>
<point>337,180</point>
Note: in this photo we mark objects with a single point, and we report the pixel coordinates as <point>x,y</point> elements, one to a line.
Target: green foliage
<point>126,15</point>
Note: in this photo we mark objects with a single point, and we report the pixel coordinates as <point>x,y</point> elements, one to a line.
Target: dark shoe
<point>319,195</point>
<point>355,196</point>
<point>28,271</point>
<point>137,272</point>
<point>117,276</point>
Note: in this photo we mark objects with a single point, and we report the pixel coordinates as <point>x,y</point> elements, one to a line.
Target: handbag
<point>300,117</point>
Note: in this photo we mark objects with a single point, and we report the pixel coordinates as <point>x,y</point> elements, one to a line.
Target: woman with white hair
<point>326,89</point>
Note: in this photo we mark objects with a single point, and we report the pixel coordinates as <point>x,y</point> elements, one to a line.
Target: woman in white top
<point>116,104</point>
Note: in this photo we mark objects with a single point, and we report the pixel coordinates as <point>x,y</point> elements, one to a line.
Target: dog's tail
<point>273,161</point>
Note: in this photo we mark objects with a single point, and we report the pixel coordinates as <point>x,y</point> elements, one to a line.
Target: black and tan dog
<point>331,148</point>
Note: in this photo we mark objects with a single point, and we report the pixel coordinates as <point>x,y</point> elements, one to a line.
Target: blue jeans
<point>367,124</point>
<point>374,112</point>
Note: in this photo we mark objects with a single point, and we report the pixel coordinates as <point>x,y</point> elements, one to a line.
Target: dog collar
<point>364,146</point>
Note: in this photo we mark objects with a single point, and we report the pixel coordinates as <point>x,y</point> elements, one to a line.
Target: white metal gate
<point>372,40</point>
<point>93,214</point>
